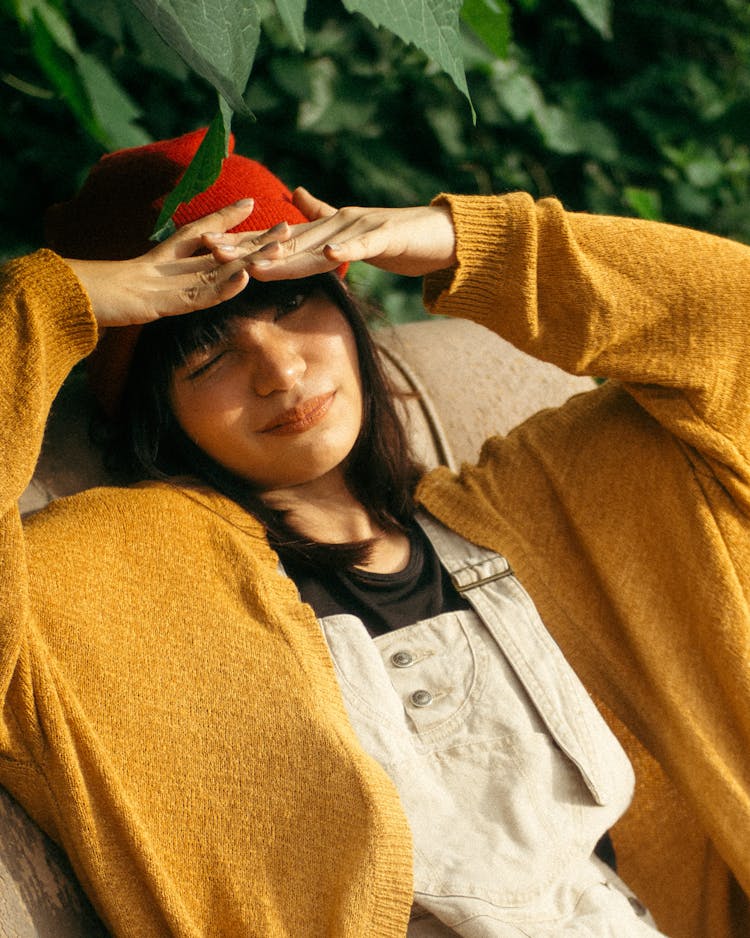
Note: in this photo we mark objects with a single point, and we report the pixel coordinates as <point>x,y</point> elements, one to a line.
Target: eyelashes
<point>290,304</point>
<point>205,367</point>
<point>212,352</point>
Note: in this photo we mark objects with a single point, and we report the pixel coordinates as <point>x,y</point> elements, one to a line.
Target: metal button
<point>637,906</point>
<point>402,659</point>
<point>421,698</point>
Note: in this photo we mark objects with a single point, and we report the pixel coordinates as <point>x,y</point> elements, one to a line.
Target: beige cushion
<point>469,384</point>
<point>39,897</point>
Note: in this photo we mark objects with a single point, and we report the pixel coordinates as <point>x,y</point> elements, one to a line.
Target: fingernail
<point>237,275</point>
<point>228,248</point>
<point>261,263</point>
<point>333,246</point>
<point>213,236</point>
<point>245,203</point>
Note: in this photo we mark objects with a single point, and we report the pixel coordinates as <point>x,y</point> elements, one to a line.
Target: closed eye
<point>290,304</point>
<point>196,371</point>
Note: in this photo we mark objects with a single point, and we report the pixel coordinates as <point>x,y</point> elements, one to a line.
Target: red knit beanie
<point>116,209</point>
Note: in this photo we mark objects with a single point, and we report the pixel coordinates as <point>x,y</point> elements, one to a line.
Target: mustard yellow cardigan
<point>171,715</point>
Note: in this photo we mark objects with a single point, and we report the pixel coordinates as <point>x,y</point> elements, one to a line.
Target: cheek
<point>346,356</point>
<point>200,415</point>
<point>353,395</point>
<point>184,409</point>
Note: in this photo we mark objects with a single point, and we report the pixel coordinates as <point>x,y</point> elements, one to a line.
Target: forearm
<point>46,326</point>
<point>661,308</point>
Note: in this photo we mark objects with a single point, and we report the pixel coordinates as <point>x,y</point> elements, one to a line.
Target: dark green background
<point>653,122</point>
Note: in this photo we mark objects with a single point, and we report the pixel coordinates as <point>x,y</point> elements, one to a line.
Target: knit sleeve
<point>660,308</point>
<point>46,326</point>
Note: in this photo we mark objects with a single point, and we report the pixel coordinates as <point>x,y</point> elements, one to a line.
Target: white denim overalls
<point>507,773</point>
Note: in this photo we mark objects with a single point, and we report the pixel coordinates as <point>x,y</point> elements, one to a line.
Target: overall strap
<point>486,580</point>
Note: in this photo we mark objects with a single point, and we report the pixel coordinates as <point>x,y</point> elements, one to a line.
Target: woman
<point>218,761</point>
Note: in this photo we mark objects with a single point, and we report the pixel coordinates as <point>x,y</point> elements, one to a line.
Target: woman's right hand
<point>169,279</point>
<point>411,241</point>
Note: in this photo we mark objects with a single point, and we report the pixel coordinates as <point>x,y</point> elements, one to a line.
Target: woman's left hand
<point>411,241</point>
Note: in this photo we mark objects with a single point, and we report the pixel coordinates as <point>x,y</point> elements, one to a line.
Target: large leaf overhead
<point>431,25</point>
<point>292,13</point>
<point>217,40</point>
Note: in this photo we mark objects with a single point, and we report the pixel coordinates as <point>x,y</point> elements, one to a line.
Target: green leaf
<point>705,171</point>
<point>61,71</point>
<point>448,128</point>
<point>646,203</point>
<point>217,40</point>
<point>113,110</point>
<point>23,10</point>
<point>341,116</point>
<point>320,76</point>
<point>565,132</point>
<point>292,13</point>
<point>430,25</point>
<point>202,172</point>
<point>516,91</point>
<point>153,52</point>
<point>597,13</point>
<point>489,20</point>
<point>58,29</point>
<point>104,15</point>
<point>295,75</point>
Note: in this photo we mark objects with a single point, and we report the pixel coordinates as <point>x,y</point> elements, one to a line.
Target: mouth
<point>300,418</point>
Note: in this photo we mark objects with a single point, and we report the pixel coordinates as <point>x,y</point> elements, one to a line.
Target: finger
<point>349,234</point>
<point>230,243</point>
<point>295,238</point>
<point>298,258</point>
<point>207,288</point>
<point>188,239</point>
<point>305,264</point>
<point>226,253</point>
<point>311,207</point>
<point>223,253</point>
<point>193,264</point>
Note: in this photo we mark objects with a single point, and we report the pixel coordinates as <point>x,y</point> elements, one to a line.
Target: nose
<point>279,364</point>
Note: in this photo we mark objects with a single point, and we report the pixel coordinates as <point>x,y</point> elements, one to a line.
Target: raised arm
<point>661,308</point>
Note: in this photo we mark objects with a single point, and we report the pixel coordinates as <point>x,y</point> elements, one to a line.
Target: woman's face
<point>278,400</point>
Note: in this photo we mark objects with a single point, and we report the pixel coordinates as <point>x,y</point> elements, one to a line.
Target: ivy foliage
<point>636,108</point>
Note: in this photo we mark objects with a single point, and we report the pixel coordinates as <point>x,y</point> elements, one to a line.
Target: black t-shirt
<point>383,601</point>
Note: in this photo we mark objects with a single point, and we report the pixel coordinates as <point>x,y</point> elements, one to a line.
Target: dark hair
<point>147,442</point>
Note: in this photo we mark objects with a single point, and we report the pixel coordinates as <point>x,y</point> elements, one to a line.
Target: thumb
<point>311,207</point>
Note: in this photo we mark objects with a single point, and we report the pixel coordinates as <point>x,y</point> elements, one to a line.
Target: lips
<point>300,418</point>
